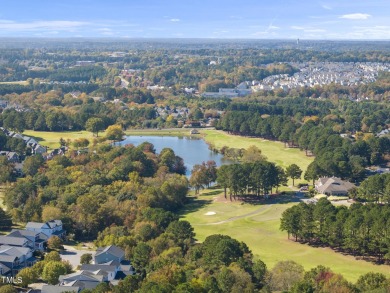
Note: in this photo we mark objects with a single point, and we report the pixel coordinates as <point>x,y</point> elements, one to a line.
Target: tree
<point>285,274</point>
<point>52,256</point>
<point>6,170</point>
<point>32,164</point>
<point>28,276</point>
<point>94,125</point>
<point>141,255</point>
<point>313,172</point>
<point>114,132</point>
<point>50,213</point>
<point>52,270</point>
<point>8,289</point>
<point>5,220</point>
<point>86,258</point>
<point>372,281</point>
<point>294,172</point>
<point>259,270</point>
<point>54,242</point>
<point>81,142</point>
<point>252,154</point>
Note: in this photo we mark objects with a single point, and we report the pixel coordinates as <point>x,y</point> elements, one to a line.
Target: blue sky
<point>271,19</point>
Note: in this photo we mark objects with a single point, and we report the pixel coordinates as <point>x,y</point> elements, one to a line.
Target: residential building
<point>333,186</point>
<point>60,289</point>
<point>108,253</point>
<point>36,240</point>
<point>16,258</point>
<point>50,228</point>
<point>13,241</point>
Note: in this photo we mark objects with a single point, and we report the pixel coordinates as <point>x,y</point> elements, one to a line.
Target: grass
<point>52,139</point>
<point>258,226</point>
<point>274,151</point>
<point>161,132</point>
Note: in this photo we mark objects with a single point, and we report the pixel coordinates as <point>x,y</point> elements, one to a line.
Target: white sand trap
<point>210,213</point>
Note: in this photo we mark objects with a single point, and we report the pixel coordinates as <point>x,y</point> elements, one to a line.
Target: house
<point>60,289</point>
<point>7,264</point>
<point>12,157</point>
<point>84,279</point>
<point>333,186</point>
<point>385,132</point>
<point>16,258</point>
<point>108,271</point>
<point>50,228</point>
<point>36,240</point>
<point>108,253</point>
<point>38,149</point>
<point>13,241</point>
<point>4,270</point>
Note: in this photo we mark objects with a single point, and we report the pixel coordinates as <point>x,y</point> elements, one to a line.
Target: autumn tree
<point>94,125</point>
<point>52,270</point>
<point>114,132</point>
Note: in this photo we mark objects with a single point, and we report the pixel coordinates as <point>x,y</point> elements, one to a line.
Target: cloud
<point>53,25</point>
<point>326,6</point>
<point>295,27</point>
<point>175,19</point>
<point>356,16</point>
<point>273,27</point>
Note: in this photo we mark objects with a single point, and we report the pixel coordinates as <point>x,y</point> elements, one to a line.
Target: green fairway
<point>258,226</point>
<point>274,151</point>
<point>160,132</point>
<point>52,139</point>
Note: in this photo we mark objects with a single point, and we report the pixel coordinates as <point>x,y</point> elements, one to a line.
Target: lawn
<point>160,132</point>
<point>258,226</point>
<point>274,151</point>
<point>51,139</point>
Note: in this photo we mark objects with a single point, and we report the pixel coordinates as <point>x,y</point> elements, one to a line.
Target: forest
<point>358,230</point>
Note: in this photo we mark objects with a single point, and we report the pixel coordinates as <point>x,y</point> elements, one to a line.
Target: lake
<point>192,150</point>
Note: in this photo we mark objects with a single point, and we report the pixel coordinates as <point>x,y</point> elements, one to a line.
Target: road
<point>73,255</point>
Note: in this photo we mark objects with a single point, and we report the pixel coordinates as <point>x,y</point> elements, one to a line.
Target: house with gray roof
<point>50,228</point>
<point>16,258</point>
<point>333,186</point>
<point>36,240</point>
<point>13,241</point>
<point>86,279</point>
<point>108,253</point>
<point>59,289</point>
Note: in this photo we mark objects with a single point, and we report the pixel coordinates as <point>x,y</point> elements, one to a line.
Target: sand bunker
<point>210,213</point>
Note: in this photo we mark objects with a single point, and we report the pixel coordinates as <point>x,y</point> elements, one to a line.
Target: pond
<point>192,150</point>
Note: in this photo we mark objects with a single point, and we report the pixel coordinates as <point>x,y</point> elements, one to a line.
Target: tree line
<point>318,135</point>
<point>359,230</point>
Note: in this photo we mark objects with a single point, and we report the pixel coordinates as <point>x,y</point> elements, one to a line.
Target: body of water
<point>192,150</point>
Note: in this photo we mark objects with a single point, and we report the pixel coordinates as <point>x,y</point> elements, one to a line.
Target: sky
<point>246,19</point>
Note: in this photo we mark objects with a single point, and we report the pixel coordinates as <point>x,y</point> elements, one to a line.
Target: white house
<point>50,228</point>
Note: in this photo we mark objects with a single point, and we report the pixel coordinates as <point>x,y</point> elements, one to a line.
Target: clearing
<point>258,226</point>
<point>52,139</point>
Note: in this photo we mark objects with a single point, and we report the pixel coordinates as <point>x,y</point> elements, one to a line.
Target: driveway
<point>73,255</point>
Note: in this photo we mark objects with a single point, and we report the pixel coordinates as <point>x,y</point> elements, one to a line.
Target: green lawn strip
<point>261,233</point>
<point>161,132</point>
<point>274,151</point>
<point>51,139</point>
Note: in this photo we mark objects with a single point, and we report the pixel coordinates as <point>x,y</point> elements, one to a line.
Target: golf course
<point>258,226</point>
